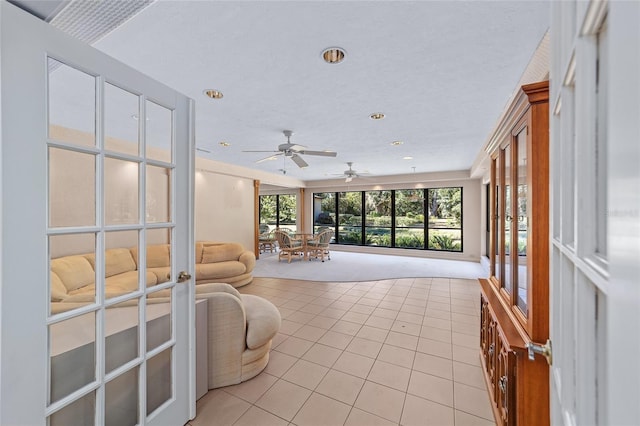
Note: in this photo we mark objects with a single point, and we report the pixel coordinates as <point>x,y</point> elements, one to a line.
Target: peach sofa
<point>73,277</point>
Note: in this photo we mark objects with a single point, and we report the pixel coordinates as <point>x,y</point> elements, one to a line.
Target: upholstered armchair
<point>240,330</point>
<point>289,246</point>
<point>319,246</point>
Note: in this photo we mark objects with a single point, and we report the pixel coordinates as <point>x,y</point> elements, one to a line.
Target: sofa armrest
<point>216,287</point>
<point>249,260</point>
<point>226,336</point>
<point>263,320</point>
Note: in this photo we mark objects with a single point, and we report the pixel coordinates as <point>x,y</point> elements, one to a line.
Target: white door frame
<point>25,43</point>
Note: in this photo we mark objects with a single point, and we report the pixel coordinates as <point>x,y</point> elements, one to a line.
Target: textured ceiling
<point>442,73</point>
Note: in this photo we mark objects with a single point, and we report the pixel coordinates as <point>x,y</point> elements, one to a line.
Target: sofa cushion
<point>117,261</point>
<point>208,271</point>
<point>58,290</point>
<point>263,320</point>
<point>221,252</point>
<point>128,281</point>
<point>157,255</point>
<point>74,271</point>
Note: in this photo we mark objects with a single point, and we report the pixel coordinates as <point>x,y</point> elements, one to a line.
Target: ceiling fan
<point>350,173</point>
<point>292,150</point>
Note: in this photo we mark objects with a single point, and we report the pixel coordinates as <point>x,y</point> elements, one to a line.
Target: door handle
<point>183,276</point>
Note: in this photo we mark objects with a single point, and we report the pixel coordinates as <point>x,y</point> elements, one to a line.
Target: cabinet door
<point>496,212</point>
<point>505,381</point>
<point>521,221</point>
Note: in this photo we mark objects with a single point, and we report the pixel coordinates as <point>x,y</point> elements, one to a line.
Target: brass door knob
<point>183,276</point>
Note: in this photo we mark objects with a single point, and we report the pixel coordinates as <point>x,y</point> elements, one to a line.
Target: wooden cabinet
<point>515,298</point>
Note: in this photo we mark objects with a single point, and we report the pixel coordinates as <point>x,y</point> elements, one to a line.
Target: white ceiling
<point>442,73</point>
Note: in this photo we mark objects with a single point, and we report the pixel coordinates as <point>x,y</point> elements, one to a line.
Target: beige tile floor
<point>389,352</point>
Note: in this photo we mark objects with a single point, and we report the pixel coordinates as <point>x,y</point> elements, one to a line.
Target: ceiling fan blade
<point>299,161</point>
<point>262,151</point>
<point>271,157</point>
<point>320,153</point>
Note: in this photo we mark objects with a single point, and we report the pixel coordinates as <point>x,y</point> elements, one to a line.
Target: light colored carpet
<point>349,266</point>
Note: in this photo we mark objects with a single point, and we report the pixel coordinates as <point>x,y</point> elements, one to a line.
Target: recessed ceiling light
<point>396,143</point>
<point>376,116</point>
<point>213,94</point>
<point>223,143</point>
<point>407,158</point>
<point>333,55</point>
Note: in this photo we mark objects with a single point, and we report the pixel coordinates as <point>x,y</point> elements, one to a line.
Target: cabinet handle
<point>491,349</point>
<point>544,350</point>
<point>502,384</point>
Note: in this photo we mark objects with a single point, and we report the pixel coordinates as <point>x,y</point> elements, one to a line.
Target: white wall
<point>224,208</point>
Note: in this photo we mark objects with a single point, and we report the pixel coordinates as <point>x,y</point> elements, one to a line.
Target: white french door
<point>97,180</point>
<point>595,191</point>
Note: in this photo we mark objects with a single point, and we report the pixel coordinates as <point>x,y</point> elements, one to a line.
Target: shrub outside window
<point>278,211</point>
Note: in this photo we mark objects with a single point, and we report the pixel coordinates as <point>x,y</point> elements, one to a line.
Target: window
<point>409,218</point>
<point>378,211</point>
<point>445,219</point>
<point>393,218</point>
<point>278,211</point>
<point>324,211</point>
<point>350,218</point>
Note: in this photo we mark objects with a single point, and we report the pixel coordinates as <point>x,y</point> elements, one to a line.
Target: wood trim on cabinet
<point>527,401</point>
<point>256,217</point>
<point>514,335</point>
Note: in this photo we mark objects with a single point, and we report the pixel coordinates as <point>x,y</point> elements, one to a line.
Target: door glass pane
<point>158,198</point>
<point>523,221</point>
<point>121,263</point>
<point>121,118</point>
<point>72,355</point>
<point>72,104</point>
<point>158,254</point>
<point>72,188</point>
<point>410,218</point>
<point>121,399</point>
<point>350,217</point>
<point>159,132</point>
<point>324,211</point>
<point>158,318</point>
<point>507,281</point>
<point>159,380</point>
<point>378,218</point>
<point>121,330</point>
<point>120,191</point>
<point>81,411</point>
<point>72,278</point>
